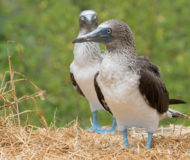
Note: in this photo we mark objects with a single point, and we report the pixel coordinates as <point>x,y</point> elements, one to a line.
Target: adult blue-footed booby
<point>86,63</point>
<point>127,85</point>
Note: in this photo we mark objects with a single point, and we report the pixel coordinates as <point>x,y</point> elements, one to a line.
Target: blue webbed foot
<point>98,129</point>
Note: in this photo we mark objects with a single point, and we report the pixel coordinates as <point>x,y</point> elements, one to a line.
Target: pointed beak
<point>98,35</point>
<point>89,19</point>
<point>90,37</point>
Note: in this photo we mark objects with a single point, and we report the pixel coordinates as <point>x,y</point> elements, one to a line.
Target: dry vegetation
<point>72,142</point>
<point>30,142</point>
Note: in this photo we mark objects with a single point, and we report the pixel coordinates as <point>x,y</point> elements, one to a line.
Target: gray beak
<point>95,36</point>
<point>89,20</point>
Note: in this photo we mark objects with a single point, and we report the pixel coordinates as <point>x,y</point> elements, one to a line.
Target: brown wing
<point>100,95</point>
<point>145,63</point>
<point>76,86</point>
<point>154,90</point>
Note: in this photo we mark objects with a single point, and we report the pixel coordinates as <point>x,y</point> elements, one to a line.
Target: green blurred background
<point>44,30</point>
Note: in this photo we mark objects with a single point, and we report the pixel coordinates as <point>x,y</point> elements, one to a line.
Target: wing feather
<point>75,85</point>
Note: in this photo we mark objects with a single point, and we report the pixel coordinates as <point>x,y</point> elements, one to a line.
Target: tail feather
<point>176,101</point>
<point>175,114</point>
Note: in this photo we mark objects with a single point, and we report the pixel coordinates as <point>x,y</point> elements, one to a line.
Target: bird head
<point>113,33</point>
<point>88,21</point>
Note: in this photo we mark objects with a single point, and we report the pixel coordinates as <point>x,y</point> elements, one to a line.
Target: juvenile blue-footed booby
<point>127,85</point>
<point>86,63</point>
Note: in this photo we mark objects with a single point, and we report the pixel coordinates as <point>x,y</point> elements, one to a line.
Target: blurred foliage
<point>44,30</point>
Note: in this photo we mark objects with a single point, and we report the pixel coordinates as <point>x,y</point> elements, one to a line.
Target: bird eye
<point>109,31</point>
<point>94,17</point>
<point>82,18</point>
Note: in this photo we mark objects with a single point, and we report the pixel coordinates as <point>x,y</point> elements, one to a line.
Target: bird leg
<point>125,140</point>
<point>95,126</point>
<point>95,121</point>
<point>149,140</point>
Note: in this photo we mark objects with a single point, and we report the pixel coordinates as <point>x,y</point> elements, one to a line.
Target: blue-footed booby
<point>86,63</point>
<point>127,85</point>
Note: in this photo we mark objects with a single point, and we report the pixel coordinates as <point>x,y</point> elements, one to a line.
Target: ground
<point>73,142</point>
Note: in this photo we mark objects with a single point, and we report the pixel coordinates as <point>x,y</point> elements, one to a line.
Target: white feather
<point>86,12</point>
<point>87,59</point>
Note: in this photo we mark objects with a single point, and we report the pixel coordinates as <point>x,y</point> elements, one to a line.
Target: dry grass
<point>29,142</point>
<point>9,101</point>
<point>72,142</point>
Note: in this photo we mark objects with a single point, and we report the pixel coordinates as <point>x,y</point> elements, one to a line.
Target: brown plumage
<point>154,90</point>
<point>75,85</point>
<point>100,95</point>
<point>152,86</point>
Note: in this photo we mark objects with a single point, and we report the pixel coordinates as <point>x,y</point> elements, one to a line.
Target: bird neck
<point>87,53</point>
<point>126,51</point>
<point>121,46</point>
<point>123,57</point>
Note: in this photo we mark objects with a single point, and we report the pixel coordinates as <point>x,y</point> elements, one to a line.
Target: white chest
<point>87,59</point>
<point>86,53</point>
<point>85,79</point>
<point>116,80</point>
